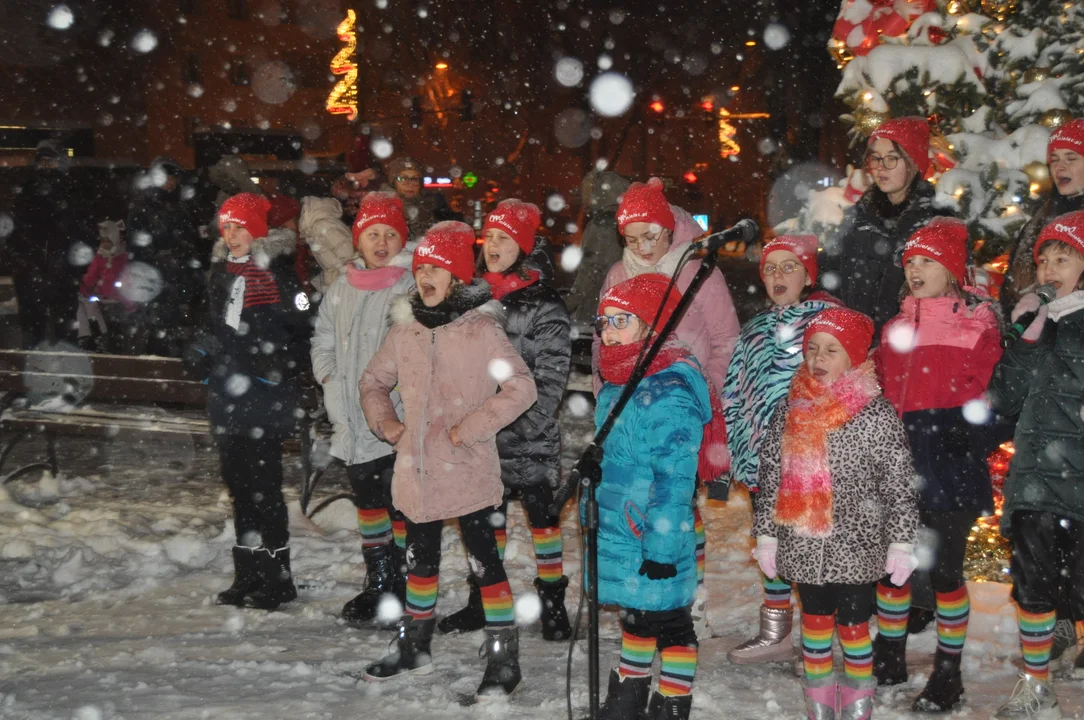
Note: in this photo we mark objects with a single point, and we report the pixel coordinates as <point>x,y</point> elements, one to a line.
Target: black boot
<point>944,689</point>
<point>276,580</point>
<point>411,654</point>
<point>502,675</point>
<point>625,699</point>
<point>890,660</point>
<point>918,619</point>
<point>380,575</point>
<point>246,577</point>
<point>470,618</point>
<point>669,707</point>
<point>554,618</point>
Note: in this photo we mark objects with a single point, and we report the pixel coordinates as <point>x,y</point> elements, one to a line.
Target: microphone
<point>745,230</point>
<point>1046,293</point>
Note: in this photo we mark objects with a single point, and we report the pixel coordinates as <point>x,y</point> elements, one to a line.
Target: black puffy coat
<point>538,327</point>
<point>252,371</point>
<point>864,253</point>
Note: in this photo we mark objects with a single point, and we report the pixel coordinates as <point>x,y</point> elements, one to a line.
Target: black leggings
<point>423,546</point>
<point>945,534</point>
<point>371,485</point>
<point>668,627</point>
<point>1047,560</point>
<point>252,470</point>
<point>536,500</point>
<point>851,604</point>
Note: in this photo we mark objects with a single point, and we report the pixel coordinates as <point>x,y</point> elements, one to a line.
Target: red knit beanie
<point>283,209</point>
<point>1068,136</point>
<point>644,202</point>
<point>912,134</point>
<point>803,246</point>
<point>247,210</point>
<point>449,245</point>
<point>642,296</point>
<point>853,330</point>
<point>517,218</point>
<point>1068,228</point>
<point>943,239</point>
<point>380,207</point>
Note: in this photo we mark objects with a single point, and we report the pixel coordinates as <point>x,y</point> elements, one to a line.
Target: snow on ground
<point>108,573</point>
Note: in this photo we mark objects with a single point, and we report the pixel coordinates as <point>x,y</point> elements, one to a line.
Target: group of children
<point>443,377</point>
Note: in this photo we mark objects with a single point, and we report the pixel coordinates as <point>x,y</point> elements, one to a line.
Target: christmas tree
<point>992,77</point>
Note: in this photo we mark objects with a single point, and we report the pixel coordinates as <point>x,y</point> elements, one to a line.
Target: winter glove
<point>658,571</point>
<point>764,553</point>
<point>1030,303</point>
<point>900,562</point>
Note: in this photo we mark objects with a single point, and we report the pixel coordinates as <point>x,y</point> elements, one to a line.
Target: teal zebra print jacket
<point>767,355</point>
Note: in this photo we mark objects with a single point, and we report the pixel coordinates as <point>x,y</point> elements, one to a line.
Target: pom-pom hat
<point>645,202</point>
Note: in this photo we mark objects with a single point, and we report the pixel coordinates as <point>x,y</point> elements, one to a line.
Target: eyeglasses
<point>648,240</point>
<point>408,179</point>
<point>620,321</point>
<point>888,161</point>
<point>786,268</point>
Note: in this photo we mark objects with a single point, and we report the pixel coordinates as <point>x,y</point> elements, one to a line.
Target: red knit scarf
<point>616,363</point>
<point>813,411</point>
<point>500,284</point>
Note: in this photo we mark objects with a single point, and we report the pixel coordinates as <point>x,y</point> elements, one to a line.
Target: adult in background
<point>860,264</point>
<point>423,208</point>
<point>601,243</point>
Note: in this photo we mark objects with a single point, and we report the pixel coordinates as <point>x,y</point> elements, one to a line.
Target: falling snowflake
<point>611,94</point>
<point>144,41</point>
<point>569,71</point>
<point>382,148</point>
<point>60,18</point>
<point>571,258</point>
<point>776,36</point>
<point>500,370</point>
<point>555,203</point>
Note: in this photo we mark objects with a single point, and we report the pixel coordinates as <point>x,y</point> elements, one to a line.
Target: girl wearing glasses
<point>768,354</point>
<point>860,265</point>
<point>537,325</point>
<point>646,539</point>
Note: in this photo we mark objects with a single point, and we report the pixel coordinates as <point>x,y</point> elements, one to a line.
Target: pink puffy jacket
<point>710,326</point>
<point>446,377</point>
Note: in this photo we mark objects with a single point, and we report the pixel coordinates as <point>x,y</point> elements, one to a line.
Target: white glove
<point>900,563</point>
<point>764,553</point>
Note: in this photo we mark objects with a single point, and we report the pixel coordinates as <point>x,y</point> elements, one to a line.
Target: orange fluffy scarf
<point>813,411</point>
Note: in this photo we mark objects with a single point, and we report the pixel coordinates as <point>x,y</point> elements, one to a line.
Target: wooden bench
<point>111,397</point>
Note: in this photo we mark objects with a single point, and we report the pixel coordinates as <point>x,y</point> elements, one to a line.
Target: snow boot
<point>380,580</point>
<point>822,698</point>
<point>246,577</point>
<point>625,699</point>
<point>1064,638</point>
<point>856,698</point>
<point>944,689</point>
<point>276,580</point>
<point>890,660</point>
<point>918,619</point>
<point>502,675</point>
<point>470,618</point>
<point>411,654</point>
<point>555,625</point>
<point>669,707</point>
<point>1031,699</point>
<point>772,643</point>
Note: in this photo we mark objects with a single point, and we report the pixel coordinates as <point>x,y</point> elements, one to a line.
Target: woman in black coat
<point>537,324</point>
<point>251,354</point>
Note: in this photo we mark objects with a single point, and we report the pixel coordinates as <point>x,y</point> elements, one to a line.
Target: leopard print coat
<point>873,494</point>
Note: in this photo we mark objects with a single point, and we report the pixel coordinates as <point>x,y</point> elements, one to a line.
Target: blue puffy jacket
<point>648,481</point>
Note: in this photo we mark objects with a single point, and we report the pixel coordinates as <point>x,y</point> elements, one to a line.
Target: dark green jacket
<point>1044,383</point>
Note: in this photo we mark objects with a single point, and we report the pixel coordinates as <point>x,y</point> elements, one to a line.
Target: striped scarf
<point>259,284</point>
<point>814,410</point>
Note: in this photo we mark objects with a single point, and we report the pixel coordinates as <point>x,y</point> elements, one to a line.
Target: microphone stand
<point>587,472</point>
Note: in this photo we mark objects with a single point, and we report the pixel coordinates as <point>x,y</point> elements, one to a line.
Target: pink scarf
<point>375,279</point>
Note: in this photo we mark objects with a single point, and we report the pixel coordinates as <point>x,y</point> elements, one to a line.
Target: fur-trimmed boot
<point>276,580</point>
<point>890,660</point>
<point>246,576</point>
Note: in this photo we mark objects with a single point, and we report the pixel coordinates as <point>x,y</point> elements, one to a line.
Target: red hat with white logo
<point>642,296</point>
<point>804,248</point>
<point>1068,136</point>
<point>517,218</point>
<point>912,134</point>
<point>944,240</point>
<point>283,209</point>
<point>247,210</point>
<point>645,202</point>
<point>1068,228</point>
<point>853,330</point>
<point>449,245</point>
<point>384,208</point>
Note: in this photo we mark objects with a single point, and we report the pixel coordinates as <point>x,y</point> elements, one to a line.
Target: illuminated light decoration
<point>442,66</point>
<point>727,145</point>
<point>343,99</point>
<point>708,105</point>
<point>690,177</point>
<point>750,43</point>
<point>440,182</point>
<point>657,106</point>
<point>735,88</point>
<point>470,180</point>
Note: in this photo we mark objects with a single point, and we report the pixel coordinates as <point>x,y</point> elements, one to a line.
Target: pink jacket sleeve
<point>518,391</point>
<point>379,379</point>
<point>714,303</point>
<point>93,274</point>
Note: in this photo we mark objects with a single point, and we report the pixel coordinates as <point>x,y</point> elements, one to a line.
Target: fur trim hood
<point>280,242</point>
<point>475,296</point>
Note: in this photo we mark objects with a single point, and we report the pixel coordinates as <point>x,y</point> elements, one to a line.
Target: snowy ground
<point>107,576</point>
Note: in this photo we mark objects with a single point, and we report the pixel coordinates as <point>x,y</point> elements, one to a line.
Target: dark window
<point>239,73</point>
<point>189,7</point>
<point>193,70</point>
<point>310,71</point>
<point>238,9</point>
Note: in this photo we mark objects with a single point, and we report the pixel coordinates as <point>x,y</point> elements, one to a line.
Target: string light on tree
<point>343,99</point>
<point>727,145</point>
